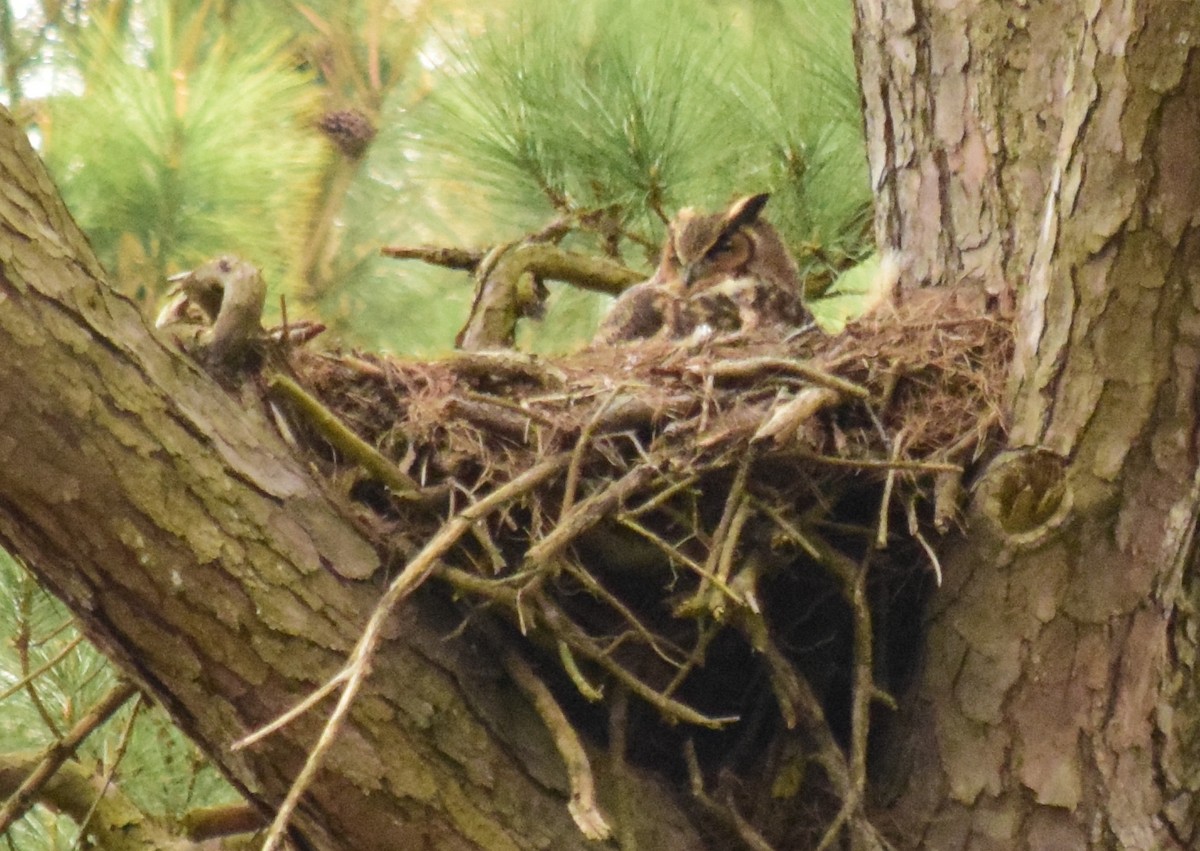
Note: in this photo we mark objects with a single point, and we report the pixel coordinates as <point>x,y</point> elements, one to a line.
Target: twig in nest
<point>864,683</point>
<point>662,496</point>
<point>754,367</point>
<point>359,663</point>
<point>354,364</point>
<point>732,539</point>
<point>707,633</point>
<point>506,364</point>
<point>493,415</point>
<point>343,439</point>
<point>676,556</point>
<point>706,404</point>
<point>583,807</point>
<point>879,463</point>
<point>725,537</point>
<point>914,529</point>
<point>597,590</point>
<point>793,532</point>
<point>582,643</point>
<point>784,420</point>
<point>590,692</point>
<point>726,813</point>
<point>480,533</point>
<point>590,512</point>
<point>618,736</point>
<point>866,836</point>
<point>854,586</point>
<point>885,504</point>
<point>853,578</point>
<point>829,753</point>
<point>509,404</point>
<point>581,445</point>
<point>849,778</point>
<point>947,496</point>
<point>974,437</point>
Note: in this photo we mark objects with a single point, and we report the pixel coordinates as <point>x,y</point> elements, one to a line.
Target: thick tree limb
<point>206,561</point>
<point>500,300</point>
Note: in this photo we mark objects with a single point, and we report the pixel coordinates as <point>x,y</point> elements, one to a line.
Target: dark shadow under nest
<point>721,556</point>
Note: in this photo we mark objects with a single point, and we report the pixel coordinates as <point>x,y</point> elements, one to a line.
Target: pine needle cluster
<point>611,115</point>
<point>641,108</point>
<point>182,144</point>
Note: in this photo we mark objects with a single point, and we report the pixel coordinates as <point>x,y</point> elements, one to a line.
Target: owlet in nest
<point>723,272</point>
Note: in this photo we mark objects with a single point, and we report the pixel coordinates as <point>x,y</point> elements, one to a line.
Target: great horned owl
<point>726,271</point>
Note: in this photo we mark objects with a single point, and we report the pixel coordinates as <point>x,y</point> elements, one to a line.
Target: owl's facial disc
<point>727,257</point>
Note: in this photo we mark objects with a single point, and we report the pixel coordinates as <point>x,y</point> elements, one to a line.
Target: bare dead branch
<point>414,573</point>
<point>583,807</point>
<point>498,302</point>
<point>466,260</point>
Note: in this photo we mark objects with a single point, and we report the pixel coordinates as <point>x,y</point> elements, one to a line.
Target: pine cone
<point>349,129</point>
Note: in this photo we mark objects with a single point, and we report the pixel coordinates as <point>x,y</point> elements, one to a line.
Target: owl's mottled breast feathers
<point>725,272</point>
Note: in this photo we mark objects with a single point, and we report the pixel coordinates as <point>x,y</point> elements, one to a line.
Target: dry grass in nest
<point>719,532</point>
<point>931,383</point>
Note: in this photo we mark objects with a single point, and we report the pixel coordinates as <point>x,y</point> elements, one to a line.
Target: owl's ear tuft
<point>745,211</point>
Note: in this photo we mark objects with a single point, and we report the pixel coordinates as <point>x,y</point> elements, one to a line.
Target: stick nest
<point>732,539</point>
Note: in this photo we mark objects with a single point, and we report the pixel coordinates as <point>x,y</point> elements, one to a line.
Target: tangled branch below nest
<point>715,515</point>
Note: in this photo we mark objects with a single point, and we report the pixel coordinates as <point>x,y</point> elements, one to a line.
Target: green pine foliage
<point>560,108</point>
<point>187,140</point>
<point>159,769</point>
<point>640,107</point>
<point>385,304</point>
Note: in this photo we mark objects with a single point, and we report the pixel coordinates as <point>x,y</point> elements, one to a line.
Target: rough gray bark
<point>1051,152</point>
<point>203,558</point>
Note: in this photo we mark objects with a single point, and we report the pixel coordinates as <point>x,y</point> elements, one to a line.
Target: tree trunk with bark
<point>1048,155</point>
<point>220,574</point>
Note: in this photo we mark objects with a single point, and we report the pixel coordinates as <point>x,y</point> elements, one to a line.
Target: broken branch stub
<point>508,288</point>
